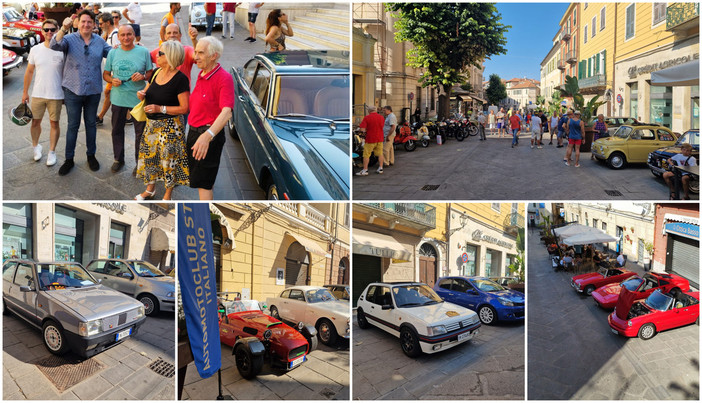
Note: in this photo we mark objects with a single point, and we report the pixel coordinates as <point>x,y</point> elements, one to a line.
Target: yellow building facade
<point>597,48</point>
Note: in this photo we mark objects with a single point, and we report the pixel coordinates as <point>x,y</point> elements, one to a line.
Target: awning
<point>587,238</point>
<point>162,240</point>
<point>309,245</point>
<point>681,75</point>
<point>573,229</point>
<point>380,245</point>
<point>681,218</point>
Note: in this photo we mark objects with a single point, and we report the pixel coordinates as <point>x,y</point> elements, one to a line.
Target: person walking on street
<point>481,125</point>
<point>171,17</point>
<point>210,14</point>
<point>553,129</point>
<point>372,125</point>
<point>600,130</point>
<point>500,121</point>
<point>47,94</point>
<point>228,19</point>
<point>576,128</point>
<point>111,35</point>
<point>389,133</point>
<point>515,126</point>
<point>133,14</point>
<point>535,131</point>
<point>126,68</point>
<point>254,8</point>
<point>81,82</point>
<point>562,123</point>
<point>544,124</point>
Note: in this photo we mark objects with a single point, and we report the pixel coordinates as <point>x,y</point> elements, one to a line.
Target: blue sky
<point>528,41</point>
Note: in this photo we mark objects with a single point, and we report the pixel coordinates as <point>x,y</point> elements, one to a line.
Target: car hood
<point>587,277</point>
<point>94,302</point>
<point>511,295</point>
<point>318,155</point>
<point>440,314</point>
<point>16,32</point>
<point>626,300</point>
<point>610,141</point>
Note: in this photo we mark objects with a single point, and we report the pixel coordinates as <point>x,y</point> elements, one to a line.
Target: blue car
<point>490,300</point>
<point>292,116</point>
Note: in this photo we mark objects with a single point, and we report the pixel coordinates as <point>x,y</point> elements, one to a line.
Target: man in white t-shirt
<point>47,94</point>
<point>133,14</point>
<point>685,158</point>
<point>535,131</point>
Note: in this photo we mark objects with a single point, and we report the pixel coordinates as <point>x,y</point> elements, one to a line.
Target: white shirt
<point>48,72</point>
<point>620,260</point>
<point>253,9</point>
<point>536,123</point>
<point>113,38</point>
<point>134,11</point>
<point>682,160</point>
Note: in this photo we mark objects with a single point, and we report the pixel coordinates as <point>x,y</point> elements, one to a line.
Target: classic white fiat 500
<point>419,317</point>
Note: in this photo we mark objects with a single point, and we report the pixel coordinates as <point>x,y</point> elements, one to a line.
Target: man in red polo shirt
<point>172,32</point>
<point>372,125</point>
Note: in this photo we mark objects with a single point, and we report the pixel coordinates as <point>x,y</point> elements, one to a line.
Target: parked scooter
<point>405,137</point>
<point>359,139</point>
<point>420,131</point>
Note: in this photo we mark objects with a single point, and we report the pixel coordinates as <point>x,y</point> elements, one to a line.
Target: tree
<point>448,38</point>
<point>467,86</point>
<point>496,90</point>
<point>517,266</point>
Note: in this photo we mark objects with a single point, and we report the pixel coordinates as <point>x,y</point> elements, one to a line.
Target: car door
<point>293,308</point>
<point>444,289</point>
<point>252,96</point>
<point>8,275</point>
<point>467,295</point>
<point>24,301</point>
<point>642,142</point>
<point>120,277</point>
<point>379,296</point>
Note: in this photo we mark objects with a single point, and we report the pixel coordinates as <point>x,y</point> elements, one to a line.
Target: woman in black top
<point>162,154</point>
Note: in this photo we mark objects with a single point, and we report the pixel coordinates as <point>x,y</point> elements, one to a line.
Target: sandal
<point>672,196</point>
<point>150,195</point>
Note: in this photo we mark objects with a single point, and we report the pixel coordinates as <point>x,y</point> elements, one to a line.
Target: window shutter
<point>604,61</point>
<point>597,64</point>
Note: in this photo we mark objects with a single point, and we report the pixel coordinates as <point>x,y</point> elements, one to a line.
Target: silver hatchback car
<point>139,279</point>
<point>71,308</point>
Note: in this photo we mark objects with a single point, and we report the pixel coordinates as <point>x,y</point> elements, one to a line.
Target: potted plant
<point>648,246</point>
<point>57,11</point>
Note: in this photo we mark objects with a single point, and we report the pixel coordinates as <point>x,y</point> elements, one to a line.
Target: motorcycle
<point>359,139</point>
<point>420,131</point>
<point>405,137</point>
<point>466,128</point>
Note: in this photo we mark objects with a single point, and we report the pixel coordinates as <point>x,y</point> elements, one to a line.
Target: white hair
<point>214,45</point>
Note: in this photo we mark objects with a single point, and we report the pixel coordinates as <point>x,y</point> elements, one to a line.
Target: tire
<point>151,307</point>
<point>53,337</point>
<point>694,186</point>
<point>616,160</point>
<point>274,312</point>
<point>460,135</point>
<point>487,315</point>
<point>361,319</point>
<point>232,129</point>
<point>472,130</point>
<point>326,332</point>
<point>424,143</point>
<point>410,343</point>
<point>589,289</point>
<point>656,174</point>
<point>248,365</point>
<point>272,191</point>
<point>647,331</point>
<point>410,145</point>
<point>314,343</point>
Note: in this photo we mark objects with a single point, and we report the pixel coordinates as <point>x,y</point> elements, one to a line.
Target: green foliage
<point>571,86</point>
<point>540,101</point>
<point>517,267</point>
<point>496,90</point>
<point>448,38</point>
<point>587,110</point>
<point>467,86</point>
<point>554,105</point>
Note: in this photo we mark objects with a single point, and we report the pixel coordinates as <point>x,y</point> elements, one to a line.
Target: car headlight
<point>89,328</point>
<point>436,330</point>
<point>171,294</point>
<point>140,312</point>
<point>198,13</point>
<point>505,301</point>
<point>629,323</point>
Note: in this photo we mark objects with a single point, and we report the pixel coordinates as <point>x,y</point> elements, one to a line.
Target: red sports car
<point>607,296</point>
<point>243,325</point>
<point>12,18</point>
<point>590,281</point>
<point>660,311</point>
<point>10,60</point>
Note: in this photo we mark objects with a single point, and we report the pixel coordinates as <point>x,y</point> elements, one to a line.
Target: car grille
<point>518,303</point>
<point>461,324</point>
<point>115,321</point>
<point>297,352</point>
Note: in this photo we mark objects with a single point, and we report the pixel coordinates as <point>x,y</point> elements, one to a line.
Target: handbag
<point>138,111</point>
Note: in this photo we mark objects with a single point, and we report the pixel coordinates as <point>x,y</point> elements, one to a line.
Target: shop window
<point>634,100</point>
<point>661,105</point>
<point>469,266</point>
<point>118,234</point>
<point>68,236</point>
<point>17,231</point>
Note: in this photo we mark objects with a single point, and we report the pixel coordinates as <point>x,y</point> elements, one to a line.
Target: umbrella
<point>589,238</point>
<point>573,229</point>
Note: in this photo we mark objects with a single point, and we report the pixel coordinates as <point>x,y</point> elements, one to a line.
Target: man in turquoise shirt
<point>126,68</point>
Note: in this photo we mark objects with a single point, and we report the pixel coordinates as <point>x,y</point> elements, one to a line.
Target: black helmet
<point>21,115</point>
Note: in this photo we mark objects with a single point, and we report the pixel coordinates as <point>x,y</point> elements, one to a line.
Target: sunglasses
<point>161,53</point>
<point>49,29</point>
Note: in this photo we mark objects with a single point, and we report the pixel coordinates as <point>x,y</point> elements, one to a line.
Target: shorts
<point>491,125</point>
<point>499,125</point>
<point>576,142</point>
<point>41,105</point>
<point>370,148</point>
<point>561,134</point>
<point>137,30</point>
<point>252,17</point>
<point>536,134</point>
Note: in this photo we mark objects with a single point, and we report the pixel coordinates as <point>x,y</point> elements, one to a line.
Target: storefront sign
<point>684,229</point>
<point>479,236</point>
<point>635,70</point>
<point>119,208</point>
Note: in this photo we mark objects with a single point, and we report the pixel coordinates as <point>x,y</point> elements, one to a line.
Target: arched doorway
<point>427,264</point>
<point>343,277</point>
<point>297,263</point>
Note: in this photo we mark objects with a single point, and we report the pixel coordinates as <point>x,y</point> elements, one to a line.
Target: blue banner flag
<point>196,275</point>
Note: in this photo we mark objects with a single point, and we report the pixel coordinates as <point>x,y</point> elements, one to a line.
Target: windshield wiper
<point>302,115</point>
<point>430,303</point>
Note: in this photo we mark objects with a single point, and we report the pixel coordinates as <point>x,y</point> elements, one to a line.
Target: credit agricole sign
<point>649,68</point>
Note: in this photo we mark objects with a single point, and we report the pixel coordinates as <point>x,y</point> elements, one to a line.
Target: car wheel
<point>314,343</point>
<point>410,145</point>
<point>150,302</point>
<point>656,174</point>
<point>647,331</point>
<point>361,319</point>
<point>326,332</point>
<point>694,185</point>
<point>616,160</point>
<point>410,343</point>
<point>232,129</point>
<point>248,365</point>
<point>487,314</point>
<point>274,312</point>
<point>589,289</point>
<point>272,192</point>
<point>53,338</point>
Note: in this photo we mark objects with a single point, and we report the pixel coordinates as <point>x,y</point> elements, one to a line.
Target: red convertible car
<point>607,296</point>
<point>12,18</point>
<point>257,338</point>
<point>660,311</point>
<point>588,282</point>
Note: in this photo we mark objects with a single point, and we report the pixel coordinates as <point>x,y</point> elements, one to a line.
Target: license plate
<point>614,331</point>
<point>294,363</point>
<point>464,336</point>
<point>124,333</point>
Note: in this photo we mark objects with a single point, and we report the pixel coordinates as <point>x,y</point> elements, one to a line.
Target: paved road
<point>574,355</point>
<point>325,376</point>
<point>491,169</point>
<point>126,374</point>
<point>491,366</point>
<point>25,179</point>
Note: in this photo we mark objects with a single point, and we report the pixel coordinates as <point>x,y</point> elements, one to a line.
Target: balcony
<point>414,215</point>
<point>598,80</point>
<point>572,57</point>
<point>682,16</point>
<point>307,213</point>
<point>561,65</point>
<point>565,34</point>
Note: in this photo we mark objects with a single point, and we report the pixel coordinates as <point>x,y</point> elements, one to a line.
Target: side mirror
<point>26,288</point>
<point>386,307</point>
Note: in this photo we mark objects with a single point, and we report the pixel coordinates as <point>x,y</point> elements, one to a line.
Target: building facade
<point>568,36</point>
<point>550,74</point>
<point>363,73</point>
<point>596,52</point>
<point>262,248</point>
<point>81,232</point>
<point>676,247</point>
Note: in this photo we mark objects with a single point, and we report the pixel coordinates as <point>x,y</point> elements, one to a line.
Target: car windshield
<point>12,15</point>
<point>602,271</point>
<point>692,137</point>
<point>146,269</point>
<point>659,301</point>
<point>319,295</point>
<point>313,97</point>
<point>632,284</point>
<point>57,276</point>
<point>339,292</point>
<point>623,132</point>
<point>415,295</point>
<point>241,306</point>
<point>486,285</point>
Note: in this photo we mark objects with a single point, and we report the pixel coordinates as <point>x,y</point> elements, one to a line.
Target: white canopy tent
<point>591,237</point>
<point>573,229</point>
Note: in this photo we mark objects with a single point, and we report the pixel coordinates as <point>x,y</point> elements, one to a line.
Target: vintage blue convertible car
<point>490,300</point>
<point>291,115</point>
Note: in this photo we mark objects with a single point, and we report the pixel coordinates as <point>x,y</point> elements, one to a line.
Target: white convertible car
<point>314,306</point>
<point>417,315</point>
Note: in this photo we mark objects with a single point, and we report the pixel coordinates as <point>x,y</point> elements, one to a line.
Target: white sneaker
<point>37,152</point>
<point>51,159</point>
<point>362,173</point>
<point>532,146</point>
<point>379,170</point>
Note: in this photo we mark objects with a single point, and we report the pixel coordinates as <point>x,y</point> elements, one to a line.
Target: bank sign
<point>479,236</point>
<point>371,250</point>
<point>638,70</point>
<point>683,229</point>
